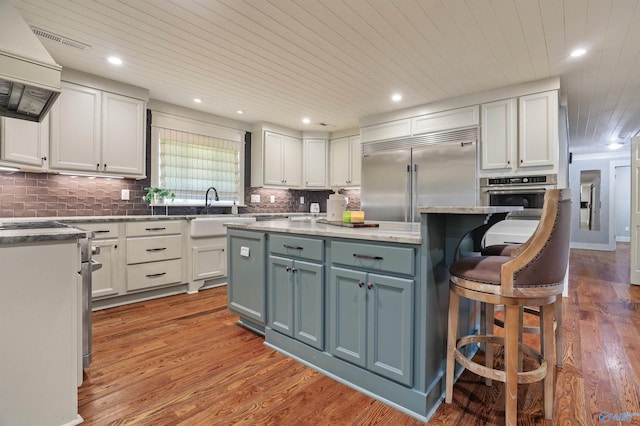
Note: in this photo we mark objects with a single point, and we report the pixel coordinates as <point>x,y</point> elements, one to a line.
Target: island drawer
<point>147,275</point>
<point>152,249</point>
<point>305,248</point>
<point>145,229</point>
<point>374,257</point>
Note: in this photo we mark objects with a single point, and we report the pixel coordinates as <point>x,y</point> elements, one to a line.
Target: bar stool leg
<point>547,314</point>
<point>511,332</point>
<point>559,339</point>
<point>452,336</point>
<point>488,350</point>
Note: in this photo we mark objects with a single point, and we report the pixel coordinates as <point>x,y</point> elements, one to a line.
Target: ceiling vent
<point>60,39</point>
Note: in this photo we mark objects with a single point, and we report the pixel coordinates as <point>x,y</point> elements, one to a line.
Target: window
<point>189,157</point>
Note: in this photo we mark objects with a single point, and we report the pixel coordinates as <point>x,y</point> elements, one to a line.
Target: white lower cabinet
<point>154,254</point>
<point>109,279</point>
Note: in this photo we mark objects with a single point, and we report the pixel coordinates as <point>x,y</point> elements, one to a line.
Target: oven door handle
<point>513,191</point>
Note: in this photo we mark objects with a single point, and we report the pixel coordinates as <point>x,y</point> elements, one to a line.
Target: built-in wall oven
<point>525,191</point>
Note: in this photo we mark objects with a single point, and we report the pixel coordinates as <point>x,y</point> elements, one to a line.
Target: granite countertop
<point>396,232</point>
<point>22,232</point>
<point>470,209</point>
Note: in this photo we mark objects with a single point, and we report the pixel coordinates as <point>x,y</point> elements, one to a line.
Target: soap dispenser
<point>234,208</point>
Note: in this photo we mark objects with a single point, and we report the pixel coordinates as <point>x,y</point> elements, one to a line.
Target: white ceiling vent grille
<point>60,39</point>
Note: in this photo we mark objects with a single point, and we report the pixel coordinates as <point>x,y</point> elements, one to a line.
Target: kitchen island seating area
<point>533,277</point>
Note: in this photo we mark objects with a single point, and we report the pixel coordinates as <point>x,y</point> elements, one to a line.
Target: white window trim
<point>183,124</point>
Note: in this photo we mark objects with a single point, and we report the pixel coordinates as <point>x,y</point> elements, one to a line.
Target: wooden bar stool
<point>533,277</point>
<point>512,250</point>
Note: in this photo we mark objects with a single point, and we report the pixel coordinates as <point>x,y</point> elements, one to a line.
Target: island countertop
<point>397,232</point>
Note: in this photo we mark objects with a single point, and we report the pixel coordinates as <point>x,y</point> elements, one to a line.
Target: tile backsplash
<point>25,194</point>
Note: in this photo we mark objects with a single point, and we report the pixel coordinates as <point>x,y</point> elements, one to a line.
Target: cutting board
<point>351,225</point>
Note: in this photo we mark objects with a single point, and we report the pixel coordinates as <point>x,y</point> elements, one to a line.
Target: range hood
<point>29,77</point>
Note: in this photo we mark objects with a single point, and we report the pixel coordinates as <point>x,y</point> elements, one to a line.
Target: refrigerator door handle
<point>414,192</point>
<point>407,204</point>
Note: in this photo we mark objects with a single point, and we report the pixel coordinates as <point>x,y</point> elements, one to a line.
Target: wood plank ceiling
<point>335,61</point>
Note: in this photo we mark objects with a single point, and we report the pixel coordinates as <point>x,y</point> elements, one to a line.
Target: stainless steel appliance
<point>434,170</point>
<point>87,266</point>
<point>525,191</point>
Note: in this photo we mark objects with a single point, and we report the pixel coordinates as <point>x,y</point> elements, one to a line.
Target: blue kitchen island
<point>365,306</point>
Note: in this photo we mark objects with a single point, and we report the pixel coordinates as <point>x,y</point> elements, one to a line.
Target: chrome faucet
<point>206,198</point>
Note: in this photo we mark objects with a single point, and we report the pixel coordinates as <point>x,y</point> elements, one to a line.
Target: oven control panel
<point>519,180</point>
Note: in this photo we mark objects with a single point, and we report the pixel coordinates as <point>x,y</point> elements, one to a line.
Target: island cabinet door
<point>348,315</point>
<point>309,303</point>
<point>247,275</point>
<point>390,327</point>
<point>281,288</point>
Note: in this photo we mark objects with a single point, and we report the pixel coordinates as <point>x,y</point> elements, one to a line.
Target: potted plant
<point>155,196</point>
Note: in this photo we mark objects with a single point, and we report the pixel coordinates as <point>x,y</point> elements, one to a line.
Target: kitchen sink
<point>212,226</point>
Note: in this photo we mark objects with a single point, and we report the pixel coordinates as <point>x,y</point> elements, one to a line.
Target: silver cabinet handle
<point>155,229</point>
<point>157,249</point>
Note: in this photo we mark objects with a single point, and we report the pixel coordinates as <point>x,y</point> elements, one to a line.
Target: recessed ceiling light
<point>396,97</point>
<point>578,52</point>
<point>114,60</point>
<point>306,120</point>
<point>615,145</point>
<point>240,111</point>
<point>197,100</point>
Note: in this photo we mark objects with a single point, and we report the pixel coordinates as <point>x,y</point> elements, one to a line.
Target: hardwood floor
<point>182,360</point>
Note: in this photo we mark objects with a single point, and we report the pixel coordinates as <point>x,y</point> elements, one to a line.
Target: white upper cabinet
<point>499,132</point>
<point>520,136</point>
<point>315,163</point>
<point>122,134</point>
<point>24,143</point>
<point>282,160</point>
<point>445,120</point>
<point>538,129</point>
<point>99,132</point>
<point>345,162</point>
<point>389,130</point>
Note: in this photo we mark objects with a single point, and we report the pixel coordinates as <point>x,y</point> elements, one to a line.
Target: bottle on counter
<point>234,208</point>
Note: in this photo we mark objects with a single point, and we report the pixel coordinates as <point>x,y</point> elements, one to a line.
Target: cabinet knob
<point>105,166</point>
<point>44,158</point>
<point>98,166</point>
<point>509,162</point>
<point>294,270</point>
<point>369,286</point>
<point>287,269</point>
<point>521,161</point>
<point>360,284</point>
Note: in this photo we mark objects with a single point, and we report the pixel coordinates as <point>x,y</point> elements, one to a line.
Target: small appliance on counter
<point>315,208</point>
<point>335,207</point>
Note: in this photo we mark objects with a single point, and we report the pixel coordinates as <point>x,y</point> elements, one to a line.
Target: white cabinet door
<point>75,127</point>
<point>355,161</point>
<point>123,146</point>
<point>273,143</point>
<point>315,163</point>
<point>24,142</point>
<point>346,161</point>
<point>340,162</point>
<point>292,162</point>
<point>105,281</point>
<point>383,131</point>
<point>498,134</point>
<point>538,129</point>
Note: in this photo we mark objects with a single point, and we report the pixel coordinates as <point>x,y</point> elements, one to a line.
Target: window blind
<point>189,163</point>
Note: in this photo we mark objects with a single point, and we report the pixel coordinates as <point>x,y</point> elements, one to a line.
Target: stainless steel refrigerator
<point>399,176</point>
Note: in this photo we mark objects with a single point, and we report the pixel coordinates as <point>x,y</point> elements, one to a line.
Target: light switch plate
<point>255,198</point>
<point>301,200</point>
<point>273,198</point>
<point>124,194</point>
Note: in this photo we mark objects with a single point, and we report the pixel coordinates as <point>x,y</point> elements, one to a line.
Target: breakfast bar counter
<point>366,306</point>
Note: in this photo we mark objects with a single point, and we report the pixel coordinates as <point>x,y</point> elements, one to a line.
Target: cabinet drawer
<point>374,257</point>
<point>153,248</point>
<point>147,275</point>
<point>145,229</point>
<point>305,248</point>
<point>101,231</point>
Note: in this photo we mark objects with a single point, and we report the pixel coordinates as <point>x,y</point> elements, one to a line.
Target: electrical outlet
<point>255,198</point>
<point>301,200</point>
<point>124,194</point>
<point>273,199</point>
<point>346,200</point>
